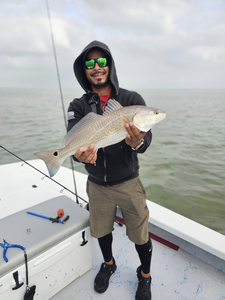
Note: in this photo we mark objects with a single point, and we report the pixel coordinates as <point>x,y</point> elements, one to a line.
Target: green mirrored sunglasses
<point>90,64</point>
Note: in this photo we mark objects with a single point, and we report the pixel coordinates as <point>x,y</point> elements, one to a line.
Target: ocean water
<point>183,169</point>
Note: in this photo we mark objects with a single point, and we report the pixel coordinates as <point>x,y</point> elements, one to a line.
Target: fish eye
<point>156,112</point>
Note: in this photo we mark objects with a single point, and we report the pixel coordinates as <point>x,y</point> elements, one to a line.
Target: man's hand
<point>88,156</point>
<point>134,136</point>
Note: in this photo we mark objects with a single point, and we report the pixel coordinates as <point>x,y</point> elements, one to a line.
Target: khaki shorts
<point>130,196</point>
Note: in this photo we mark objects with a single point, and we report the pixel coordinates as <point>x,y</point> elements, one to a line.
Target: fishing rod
<point>60,89</point>
<point>65,188</point>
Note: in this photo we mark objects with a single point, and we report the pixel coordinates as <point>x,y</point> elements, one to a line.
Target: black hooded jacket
<point>116,163</point>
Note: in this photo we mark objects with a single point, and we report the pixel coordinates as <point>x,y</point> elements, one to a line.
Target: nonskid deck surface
<point>176,275</point>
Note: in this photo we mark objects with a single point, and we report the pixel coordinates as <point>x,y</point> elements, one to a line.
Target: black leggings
<point>144,251</point>
<point>105,244</point>
<point>145,254</point>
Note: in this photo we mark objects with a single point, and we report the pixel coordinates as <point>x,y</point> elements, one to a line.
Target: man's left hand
<point>134,137</point>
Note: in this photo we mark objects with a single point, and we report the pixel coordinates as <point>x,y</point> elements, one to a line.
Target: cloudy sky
<point>155,43</point>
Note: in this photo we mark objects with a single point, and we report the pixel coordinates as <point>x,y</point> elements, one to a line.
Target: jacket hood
<point>78,67</point>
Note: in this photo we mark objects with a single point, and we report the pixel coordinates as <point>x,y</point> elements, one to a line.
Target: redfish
<point>102,130</point>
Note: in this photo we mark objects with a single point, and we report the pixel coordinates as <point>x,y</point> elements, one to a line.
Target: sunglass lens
<point>102,61</point>
<point>90,63</point>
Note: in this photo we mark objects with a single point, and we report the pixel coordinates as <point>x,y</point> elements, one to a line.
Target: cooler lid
<point>37,234</point>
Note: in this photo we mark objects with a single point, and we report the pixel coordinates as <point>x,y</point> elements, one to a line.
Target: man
<point>112,171</point>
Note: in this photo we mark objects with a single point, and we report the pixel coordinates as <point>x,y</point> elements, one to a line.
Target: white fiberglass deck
<point>176,275</point>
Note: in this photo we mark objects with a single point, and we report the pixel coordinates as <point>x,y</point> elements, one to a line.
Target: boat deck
<point>176,274</point>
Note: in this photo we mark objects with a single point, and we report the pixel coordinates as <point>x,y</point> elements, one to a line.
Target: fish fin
<point>85,121</point>
<point>111,105</point>
<point>125,119</point>
<point>52,160</point>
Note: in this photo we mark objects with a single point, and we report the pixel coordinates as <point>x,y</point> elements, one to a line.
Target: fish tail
<point>52,160</point>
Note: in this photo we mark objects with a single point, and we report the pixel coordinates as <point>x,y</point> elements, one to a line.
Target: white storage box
<point>56,252</point>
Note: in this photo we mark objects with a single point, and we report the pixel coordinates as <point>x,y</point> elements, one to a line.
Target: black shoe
<point>144,287</point>
<point>101,282</point>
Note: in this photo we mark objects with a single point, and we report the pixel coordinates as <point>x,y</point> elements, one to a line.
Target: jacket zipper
<point>105,170</point>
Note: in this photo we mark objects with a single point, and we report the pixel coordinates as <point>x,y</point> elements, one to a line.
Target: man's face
<point>98,76</point>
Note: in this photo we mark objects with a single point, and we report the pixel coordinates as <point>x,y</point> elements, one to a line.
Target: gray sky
<point>155,43</point>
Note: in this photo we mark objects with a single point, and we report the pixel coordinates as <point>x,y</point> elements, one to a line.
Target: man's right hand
<point>89,156</point>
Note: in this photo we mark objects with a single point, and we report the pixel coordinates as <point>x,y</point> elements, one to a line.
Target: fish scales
<point>101,130</point>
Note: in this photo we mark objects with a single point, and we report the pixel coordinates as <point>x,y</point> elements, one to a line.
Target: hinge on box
<point>83,237</point>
